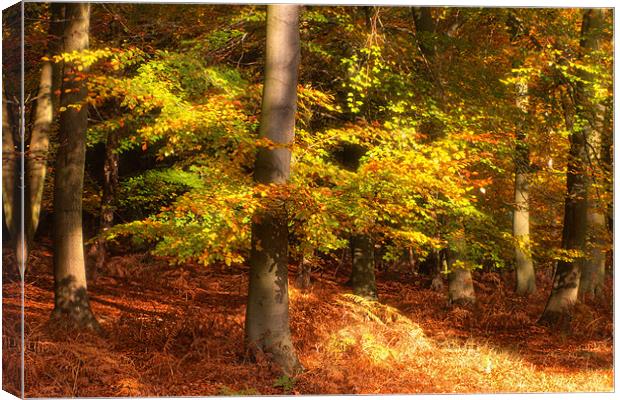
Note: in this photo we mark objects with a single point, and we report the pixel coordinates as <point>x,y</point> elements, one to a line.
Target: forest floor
<point>178,331</point>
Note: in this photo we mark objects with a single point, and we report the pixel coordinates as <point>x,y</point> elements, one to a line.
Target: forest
<point>283,200</point>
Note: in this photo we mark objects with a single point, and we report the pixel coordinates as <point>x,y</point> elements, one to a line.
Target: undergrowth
<point>178,331</point>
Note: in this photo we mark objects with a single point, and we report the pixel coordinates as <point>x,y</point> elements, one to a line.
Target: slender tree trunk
<point>593,272</point>
<point>566,282</point>
<point>9,172</point>
<point>37,152</point>
<point>425,30</point>
<point>460,282</point>
<point>567,274</point>
<point>98,251</point>
<point>12,127</point>
<point>436,276</point>
<point>607,162</point>
<point>424,26</point>
<point>56,34</point>
<point>267,315</point>
<point>302,281</point>
<point>36,155</point>
<point>362,277</point>
<point>71,298</point>
<point>526,277</point>
<point>363,271</point>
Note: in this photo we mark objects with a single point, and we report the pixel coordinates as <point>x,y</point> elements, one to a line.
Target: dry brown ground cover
<point>178,331</point>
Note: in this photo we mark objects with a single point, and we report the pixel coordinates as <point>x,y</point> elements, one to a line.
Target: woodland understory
<point>178,331</point>
<point>292,199</point>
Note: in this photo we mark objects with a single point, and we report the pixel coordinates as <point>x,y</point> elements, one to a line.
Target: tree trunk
<point>267,317</point>
<point>303,275</point>
<point>71,298</point>
<point>424,27</point>
<point>526,277</point>
<point>363,271</point>
<point>425,32</point>
<point>593,272</point>
<point>13,128</point>
<point>566,282</point>
<point>9,172</point>
<point>432,267</point>
<point>460,282</point>
<point>37,152</point>
<point>98,252</point>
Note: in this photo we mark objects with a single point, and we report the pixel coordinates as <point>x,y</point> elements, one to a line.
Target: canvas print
<point>214,200</point>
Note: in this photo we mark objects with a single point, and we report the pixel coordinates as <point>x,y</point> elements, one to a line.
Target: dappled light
<point>288,199</point>
<point>177,339</point>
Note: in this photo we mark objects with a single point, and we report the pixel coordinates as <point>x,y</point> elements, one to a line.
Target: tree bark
<point>9,172</point>
<point>12,128</point>
<point>424,26</point>
<point>71,298</point>
<point>98,252</point>
<point>460,282</point>
<point>425,32</point>
<point>524,267</point>
<point>267,315</point>
<point>302,281</point>
<point>37,152</point>
<point>566,281</point>
<point>593,272</point>
<point>435,273</point>
<point>363,270</point>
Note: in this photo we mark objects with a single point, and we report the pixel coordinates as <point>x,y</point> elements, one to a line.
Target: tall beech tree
<point>524,267</point>
<point>525,283</point>
<point>38,144</point>
<point>99,249</point>
<point>425,32</point>
<point>460,281</point>
<point>71,298</point>
<point>361,244</point>
<point>9,171</point>
<point>568,271</point>
<point>35,155</point>
<point>593,270</point>
<point>267,316</point>
<point>12,128</point>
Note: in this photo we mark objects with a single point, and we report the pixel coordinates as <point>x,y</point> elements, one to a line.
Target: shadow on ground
<point>178,330</point>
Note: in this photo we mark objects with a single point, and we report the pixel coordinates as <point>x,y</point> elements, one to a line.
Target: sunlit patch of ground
<point>369,347</point>
<point>179,331</point>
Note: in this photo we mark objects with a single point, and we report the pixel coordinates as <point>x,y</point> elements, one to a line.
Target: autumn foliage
<point>413,128</point>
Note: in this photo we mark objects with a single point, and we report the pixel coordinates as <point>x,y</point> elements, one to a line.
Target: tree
<point>71,298</point>
<point>38,146</point>
<point>9,171</point>
<point>99,250</point>
<point>267,320</point>
<point>363,268</point>
<point>593,270</point>
<point>460,281</point>
<point>524,267</point>
<point>12,132</point>
<point>568,271</point>
<point>425,30</point>
<point>361,244</point>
